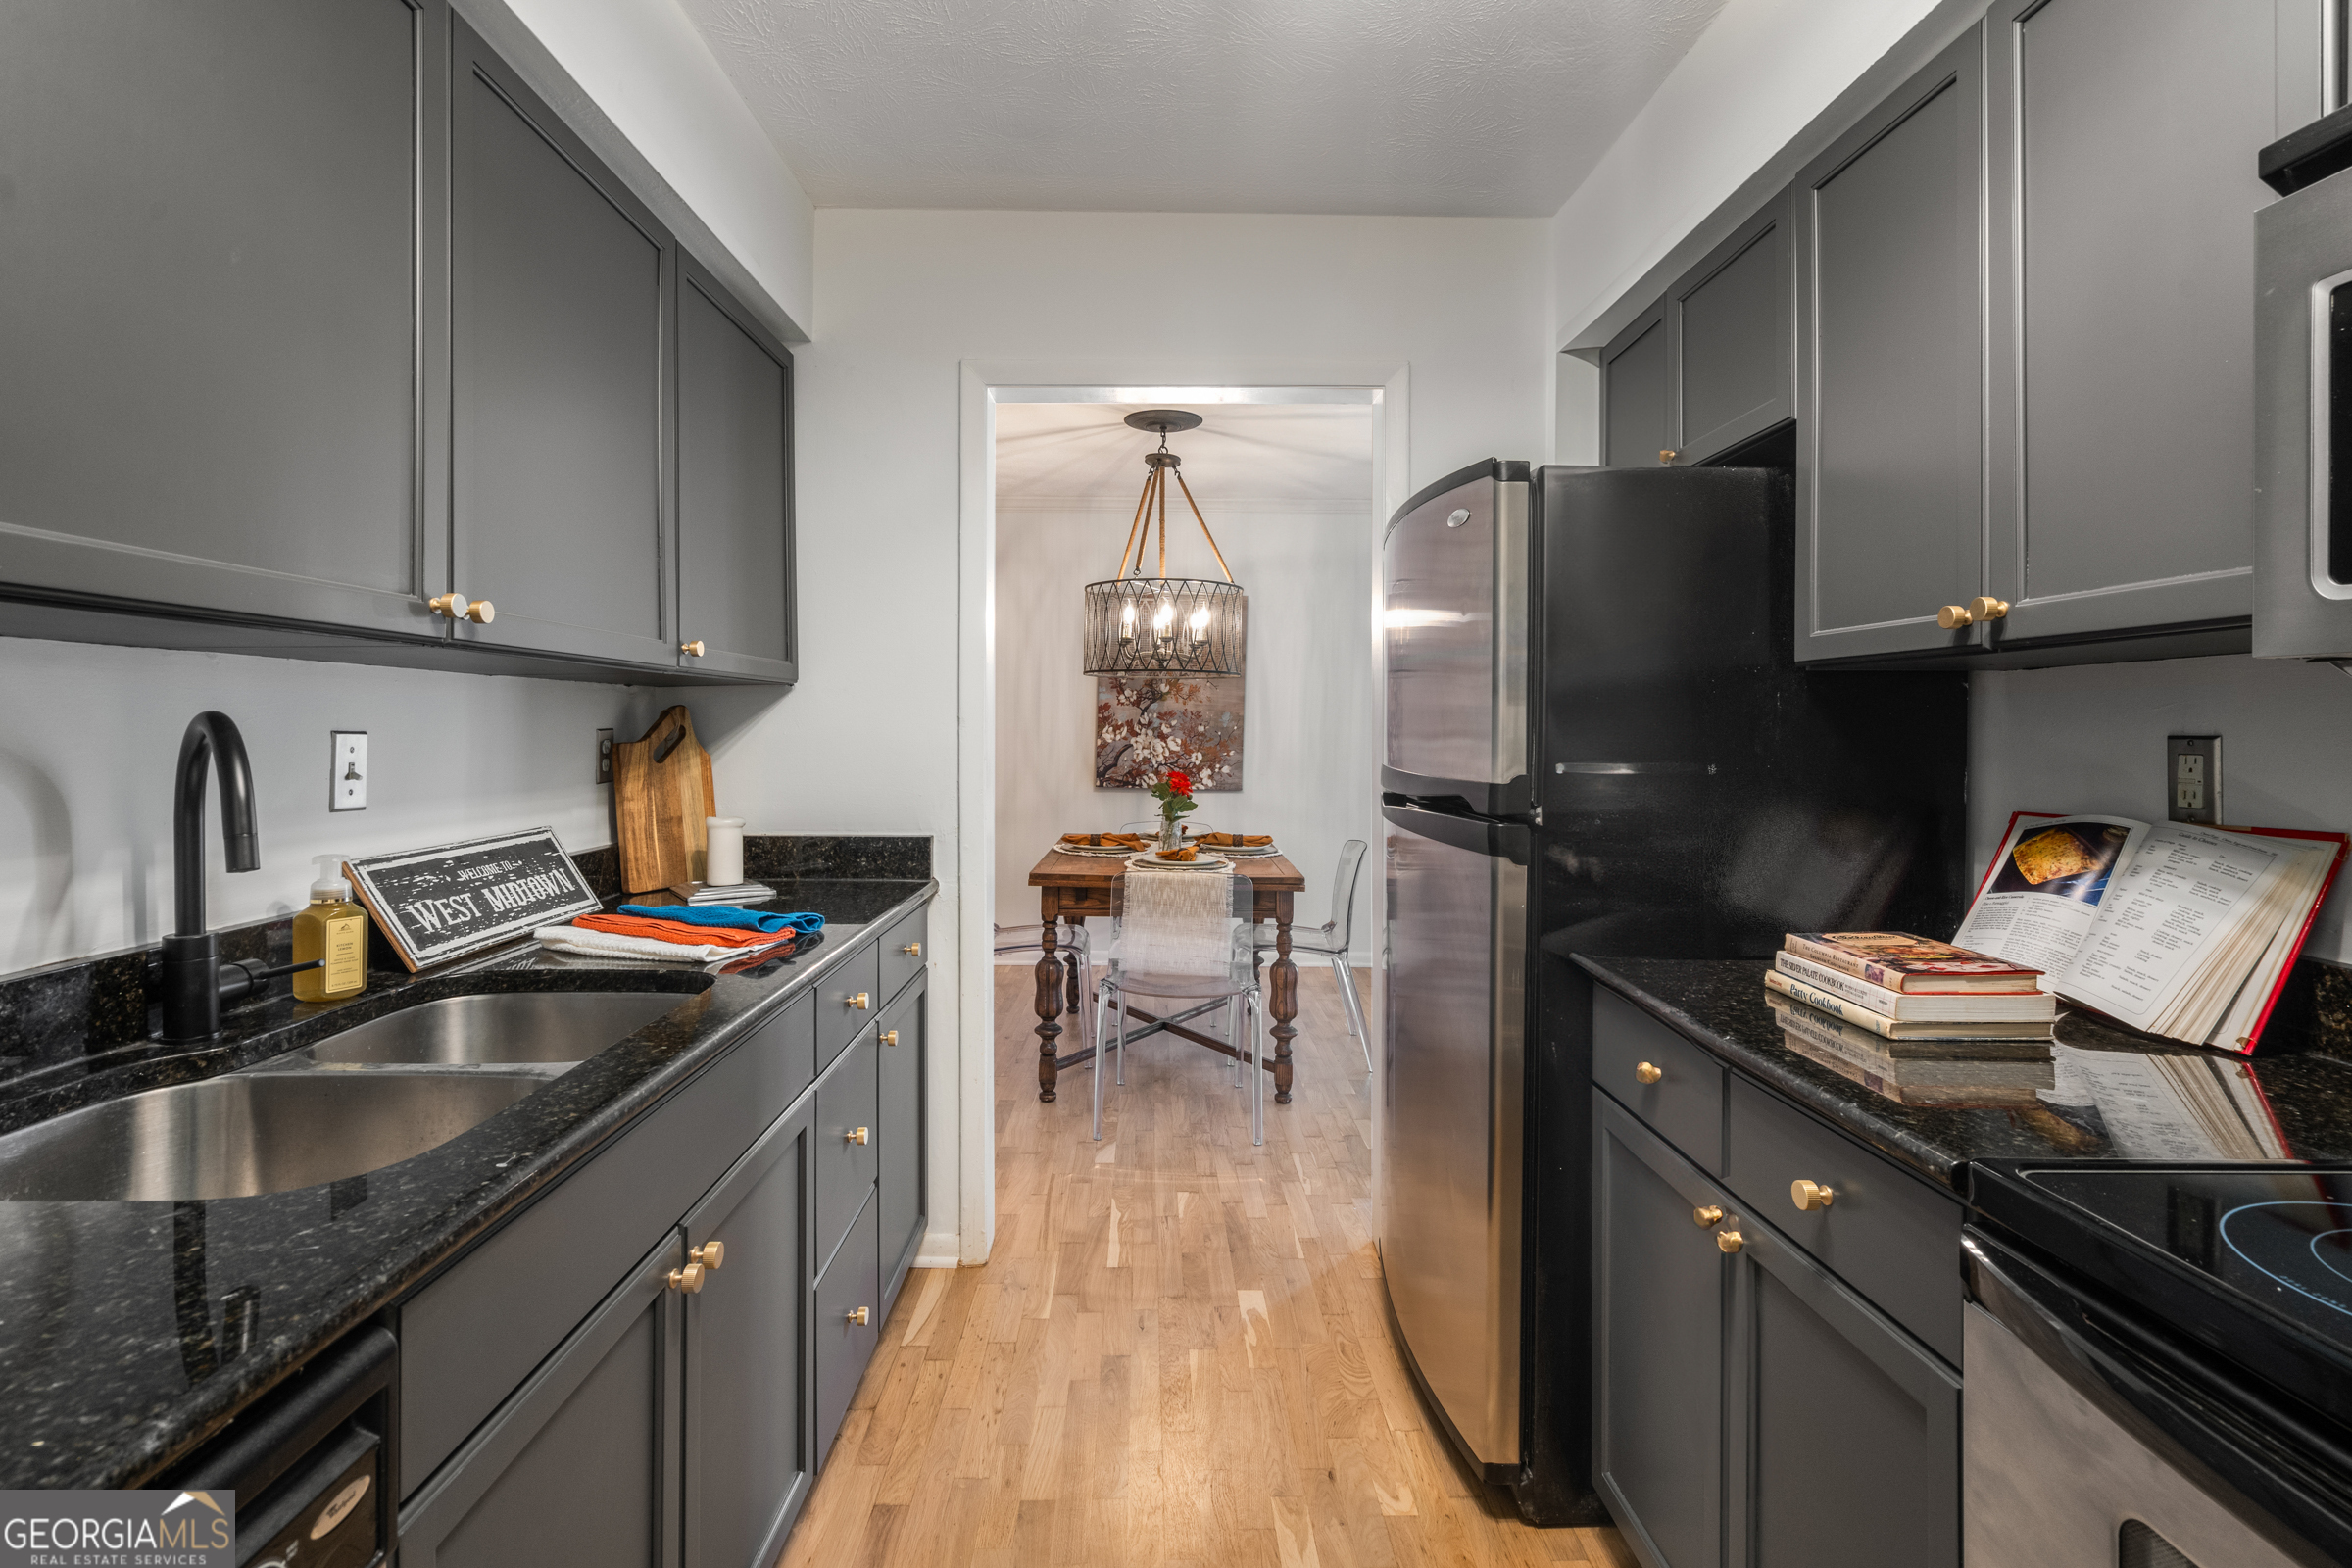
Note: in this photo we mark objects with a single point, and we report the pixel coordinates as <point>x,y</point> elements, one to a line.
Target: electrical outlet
<point>2192,777</point>
<point>347,773</point>
<point>604,756</point>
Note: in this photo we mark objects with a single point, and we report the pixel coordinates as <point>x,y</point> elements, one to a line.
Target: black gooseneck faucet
<point>191,973</point>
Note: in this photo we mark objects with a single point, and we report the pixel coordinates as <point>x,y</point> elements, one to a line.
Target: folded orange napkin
<point>679,931</point>
<point>1187,853</point>
<point>1237,841</point>
<point>1123,841</point>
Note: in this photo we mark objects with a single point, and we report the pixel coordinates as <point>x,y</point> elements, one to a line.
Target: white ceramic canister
<point>723,865</point>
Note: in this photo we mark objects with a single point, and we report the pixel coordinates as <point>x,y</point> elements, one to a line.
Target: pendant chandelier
<point>1162,625</point>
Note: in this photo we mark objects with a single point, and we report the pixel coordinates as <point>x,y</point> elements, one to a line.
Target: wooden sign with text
<point>442,904</point>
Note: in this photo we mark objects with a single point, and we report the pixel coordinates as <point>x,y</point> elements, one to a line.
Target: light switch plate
<point>347,777</point>
<point>2192,779</point>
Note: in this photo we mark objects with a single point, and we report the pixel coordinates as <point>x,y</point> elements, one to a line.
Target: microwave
<point>2303,397</point>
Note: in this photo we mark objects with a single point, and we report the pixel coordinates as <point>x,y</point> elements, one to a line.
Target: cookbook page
<point>2184,890</point>
<point>2046,886</point>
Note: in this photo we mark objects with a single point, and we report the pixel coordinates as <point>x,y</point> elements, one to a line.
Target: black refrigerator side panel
<point>1701,795</point>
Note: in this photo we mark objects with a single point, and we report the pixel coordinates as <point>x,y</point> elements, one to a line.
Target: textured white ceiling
<point>1457,108</point>
<point>1244,455</point>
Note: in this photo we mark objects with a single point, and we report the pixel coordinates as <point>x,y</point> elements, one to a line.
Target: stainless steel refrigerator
<point>1597,742</point>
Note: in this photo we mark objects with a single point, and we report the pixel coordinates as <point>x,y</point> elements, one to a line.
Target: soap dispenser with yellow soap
<point>332,932</point>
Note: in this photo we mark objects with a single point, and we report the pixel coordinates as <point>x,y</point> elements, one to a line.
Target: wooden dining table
<point>1072,887</point>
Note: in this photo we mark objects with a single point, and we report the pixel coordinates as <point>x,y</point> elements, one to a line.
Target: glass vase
<point>1171,833</point>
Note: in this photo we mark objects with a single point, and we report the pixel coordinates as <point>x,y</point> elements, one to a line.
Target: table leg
<point>1077,999</point>
<point>1049,1000</point>
<point>1282,1006</point>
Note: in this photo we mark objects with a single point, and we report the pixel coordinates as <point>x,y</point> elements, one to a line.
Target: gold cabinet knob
<point>913,949</point>
<point>1810,1196</point>
<point>1650,1072</point>
<point>1987,609</point>
<point>450,606</point>
<point>693,648</point>
<point>858,1317</point>
<point>890,1037</point>
<point>1729,1241</point>
<point>855,1135</point>
<point>1952,617</point>
<point>858,1000</point>
<point>688,1280</point>
<point>709,1255</point>
<point>481,612</point>
<point>1667,454</point>
<point>1705,1215</point>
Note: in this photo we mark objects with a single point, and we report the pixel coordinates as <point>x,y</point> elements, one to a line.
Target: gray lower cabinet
<point>2123,206</point>
<point>560,295</point>
<point>749,1412</point>
<point>1661,1291</point>
<point>1635,372</point>
<point>898,1125</point>
<point>1845,1431</point>
<point>1890,351</point>
<point>735,559</point>
<point>849,1324</point>
<point>1731,339</point>
<point>580,1465</point>
<point>213,339</point>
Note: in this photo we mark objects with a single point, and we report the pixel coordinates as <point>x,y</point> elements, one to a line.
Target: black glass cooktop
<point>2280,1238</point>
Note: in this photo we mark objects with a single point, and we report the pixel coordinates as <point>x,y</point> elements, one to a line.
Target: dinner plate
<point>1094,849</point>
<point>1152,862</point>
<point>1248,851</point>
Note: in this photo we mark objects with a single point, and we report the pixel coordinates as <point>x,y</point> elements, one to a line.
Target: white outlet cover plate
<point>347,779</point>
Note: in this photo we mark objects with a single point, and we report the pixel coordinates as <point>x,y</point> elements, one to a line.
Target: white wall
<point>2090,738</point>
<point>1310,744</point>
<point>651,73</point>
<point>85,779</point>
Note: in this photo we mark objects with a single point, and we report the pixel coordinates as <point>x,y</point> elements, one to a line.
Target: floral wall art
<point>1148,724</point>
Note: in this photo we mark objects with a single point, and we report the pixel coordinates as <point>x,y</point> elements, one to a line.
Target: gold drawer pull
<point>692,649</point>
<point>1952,617</point>
<point>855,1135</point>
<point>1650,1072</point>
<point>450,606</point>
<point>858,1317</point>
<point>481,612</point>
<point>1811,1196</point>
<point>688,1279</point>
<point>1708,1215</point>
<point>913,949</point>
<point>890,1037</point>
<point>858,1002</point>
<point>1729,1241</point>
<point>709,1255</point>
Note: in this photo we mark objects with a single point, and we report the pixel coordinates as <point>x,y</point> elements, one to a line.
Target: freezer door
<point>1455,980</point>
<point>1456,598</point>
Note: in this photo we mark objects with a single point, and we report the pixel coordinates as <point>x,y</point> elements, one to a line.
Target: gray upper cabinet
<point>1731,339</point>
<point>1890,352</point>
<point>1845,1432</point>
<point>214,324</point>
<point>2123,135</point>
<point>735,562</point>
<point>560,294</point>
<point>1634,387</point>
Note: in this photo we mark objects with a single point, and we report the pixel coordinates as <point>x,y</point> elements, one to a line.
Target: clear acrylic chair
<point>1183,937</point>
<point>1330,941</point>
<point>1070,948</point>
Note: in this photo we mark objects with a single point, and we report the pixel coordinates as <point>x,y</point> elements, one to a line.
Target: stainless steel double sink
<point>385,1091</point>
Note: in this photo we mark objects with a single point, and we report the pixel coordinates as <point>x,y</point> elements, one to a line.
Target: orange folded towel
<point>1237,841</point>
<point>1123,841</point>
<point>679,931</point>
<point>1187,853</point>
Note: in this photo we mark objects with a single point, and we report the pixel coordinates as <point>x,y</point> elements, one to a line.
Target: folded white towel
<point>613,944</point>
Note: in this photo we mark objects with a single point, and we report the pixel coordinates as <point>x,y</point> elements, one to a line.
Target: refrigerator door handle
<point>1480,835</point>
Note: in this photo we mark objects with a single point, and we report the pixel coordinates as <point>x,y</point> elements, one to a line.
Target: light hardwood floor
<point>1177,1353</point>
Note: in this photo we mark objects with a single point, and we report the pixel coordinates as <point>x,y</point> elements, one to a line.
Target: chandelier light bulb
<point>1164,622</point>
<point>1127,622</point>
<point>1199,625</point>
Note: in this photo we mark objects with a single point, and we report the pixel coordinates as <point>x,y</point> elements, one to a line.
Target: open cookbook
<point>2175,928</point>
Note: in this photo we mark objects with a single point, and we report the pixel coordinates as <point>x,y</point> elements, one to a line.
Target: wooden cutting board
<point>661,795</point>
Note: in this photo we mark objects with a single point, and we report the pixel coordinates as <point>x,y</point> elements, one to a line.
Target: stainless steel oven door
<point>2062,1467</point>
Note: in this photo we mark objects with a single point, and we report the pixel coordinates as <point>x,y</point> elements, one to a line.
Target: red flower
<point>1181,783</point>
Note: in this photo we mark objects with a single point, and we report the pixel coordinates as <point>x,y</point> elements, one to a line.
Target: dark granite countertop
<point>115,1356</point>
<point>2113,1099</point>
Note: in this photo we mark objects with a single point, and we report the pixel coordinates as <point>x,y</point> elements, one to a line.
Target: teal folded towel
<point>728,915</point>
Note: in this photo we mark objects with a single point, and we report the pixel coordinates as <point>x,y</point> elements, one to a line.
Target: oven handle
<point>2260,1463</point>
